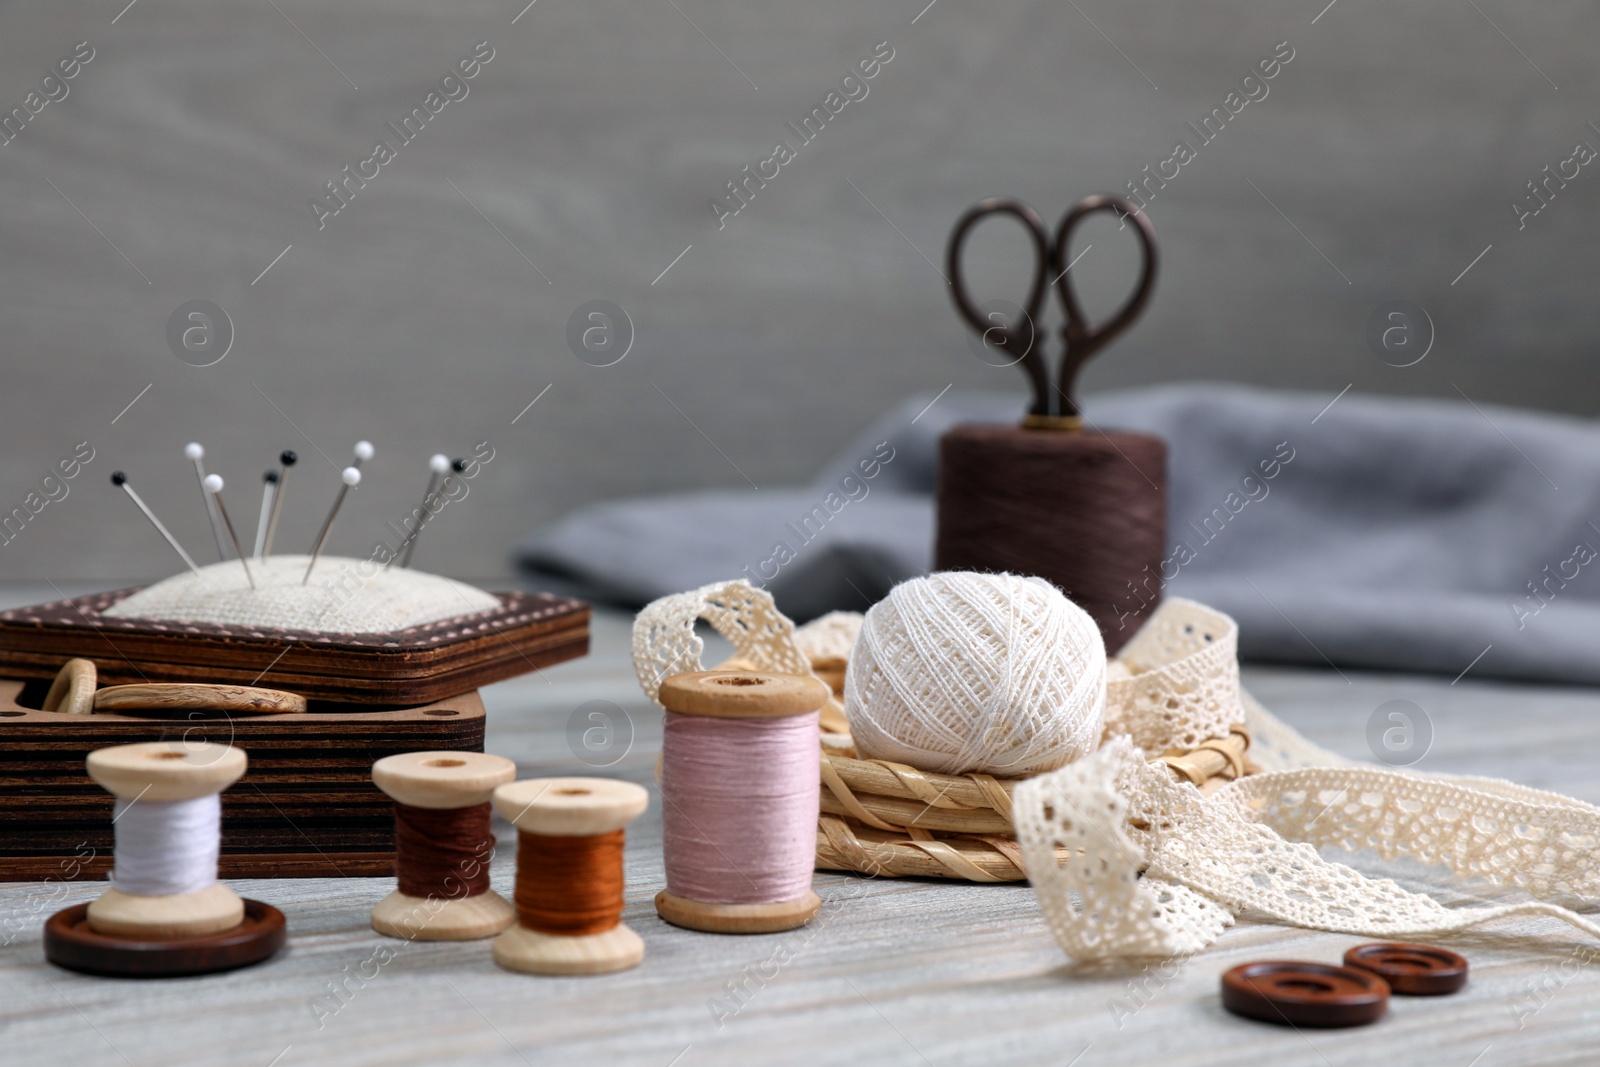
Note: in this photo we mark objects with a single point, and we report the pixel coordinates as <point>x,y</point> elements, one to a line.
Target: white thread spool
<point>168,838</point>
<point>963,672</point>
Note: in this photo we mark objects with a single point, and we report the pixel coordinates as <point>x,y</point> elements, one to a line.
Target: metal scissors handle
<point>1082,339</point>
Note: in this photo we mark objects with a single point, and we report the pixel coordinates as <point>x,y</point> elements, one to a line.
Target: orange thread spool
<point>569,885</point>
<point>570,882</point>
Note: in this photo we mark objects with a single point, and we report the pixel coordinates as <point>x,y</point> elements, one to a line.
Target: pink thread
<point>741,803</point>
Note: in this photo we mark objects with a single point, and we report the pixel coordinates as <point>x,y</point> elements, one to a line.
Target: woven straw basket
<point>892,820</point>
<point>1173,689</point>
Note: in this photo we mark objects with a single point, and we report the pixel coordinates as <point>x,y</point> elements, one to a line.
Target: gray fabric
<point>1393,534</point>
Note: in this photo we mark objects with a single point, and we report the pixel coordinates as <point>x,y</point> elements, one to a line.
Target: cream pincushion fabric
<point>343,596</point>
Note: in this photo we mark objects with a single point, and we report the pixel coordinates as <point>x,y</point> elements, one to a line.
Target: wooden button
<point>1411,970</point>
<point>1304,994</point>
<point>72,693</point>
<point>442,780</point>
<point>742,694</point>
<point>184,696</point>
<point>70,941</point>
<point>570,807</point>
<point>164,771</point>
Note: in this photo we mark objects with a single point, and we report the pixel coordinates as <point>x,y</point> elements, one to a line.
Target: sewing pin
<point>269,483</point>
<point>351,477</point>
<point>213,487</point>
<point>120,479</point>
<point>364,452</point>
<point>427,507</point>
<point>196,453</point>
<point>286,459</point>
<point>437,465</point>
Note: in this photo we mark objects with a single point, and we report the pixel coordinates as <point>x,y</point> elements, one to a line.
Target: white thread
<point>960,672</point>
<point>167,849</point>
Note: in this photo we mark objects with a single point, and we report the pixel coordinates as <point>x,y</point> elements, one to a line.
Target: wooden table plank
<point>894,972</point>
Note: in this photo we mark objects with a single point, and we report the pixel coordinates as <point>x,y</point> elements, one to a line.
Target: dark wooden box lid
<point>418,665</point>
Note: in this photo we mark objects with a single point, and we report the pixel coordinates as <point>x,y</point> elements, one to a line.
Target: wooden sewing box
<point>307,806</point>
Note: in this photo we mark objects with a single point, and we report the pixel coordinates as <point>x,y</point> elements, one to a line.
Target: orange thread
<point>569,885</point>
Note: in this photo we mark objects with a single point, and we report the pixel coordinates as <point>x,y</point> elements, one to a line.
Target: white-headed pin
<point>196,454</point>
<point>351,477</point>
<point>213,487</point>
<point>430,504</point>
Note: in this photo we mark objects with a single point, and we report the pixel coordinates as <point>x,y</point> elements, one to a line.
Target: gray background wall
<point>1394,142</point>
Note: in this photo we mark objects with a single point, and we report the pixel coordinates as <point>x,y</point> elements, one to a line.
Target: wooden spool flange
<point>442,781</point>
<point>569,807</point>
<point>739,695</point>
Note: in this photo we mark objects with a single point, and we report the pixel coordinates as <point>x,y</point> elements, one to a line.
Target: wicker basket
<point>895,821</point>
<point>1174,687</point>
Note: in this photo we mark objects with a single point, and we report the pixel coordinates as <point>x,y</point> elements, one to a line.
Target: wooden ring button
<point>1305,994</point>
<point>1411,970</point>
<point>70,942</point>
<point>72,692</point>
<point>183,696</point>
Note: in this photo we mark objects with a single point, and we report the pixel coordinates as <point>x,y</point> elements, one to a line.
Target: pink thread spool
<point>740,781</point>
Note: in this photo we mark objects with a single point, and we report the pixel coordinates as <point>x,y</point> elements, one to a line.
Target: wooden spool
<point>739,695</point>
<point>442,781</point>
<point>139,936</point>
<point>161,772</point>
<point>569,807</point>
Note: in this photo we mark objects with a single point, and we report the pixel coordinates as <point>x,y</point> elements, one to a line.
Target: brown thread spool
<point>1086,511</point>
<point>442,846</point>
<point>569,875</point>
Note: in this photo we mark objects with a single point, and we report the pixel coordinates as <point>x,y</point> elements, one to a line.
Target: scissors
<point>1082,338</point>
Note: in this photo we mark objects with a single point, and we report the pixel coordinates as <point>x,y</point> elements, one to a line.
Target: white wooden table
<point>893,972</point>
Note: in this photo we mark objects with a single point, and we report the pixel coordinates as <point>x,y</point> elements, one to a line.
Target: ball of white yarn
<point>961,672</point>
